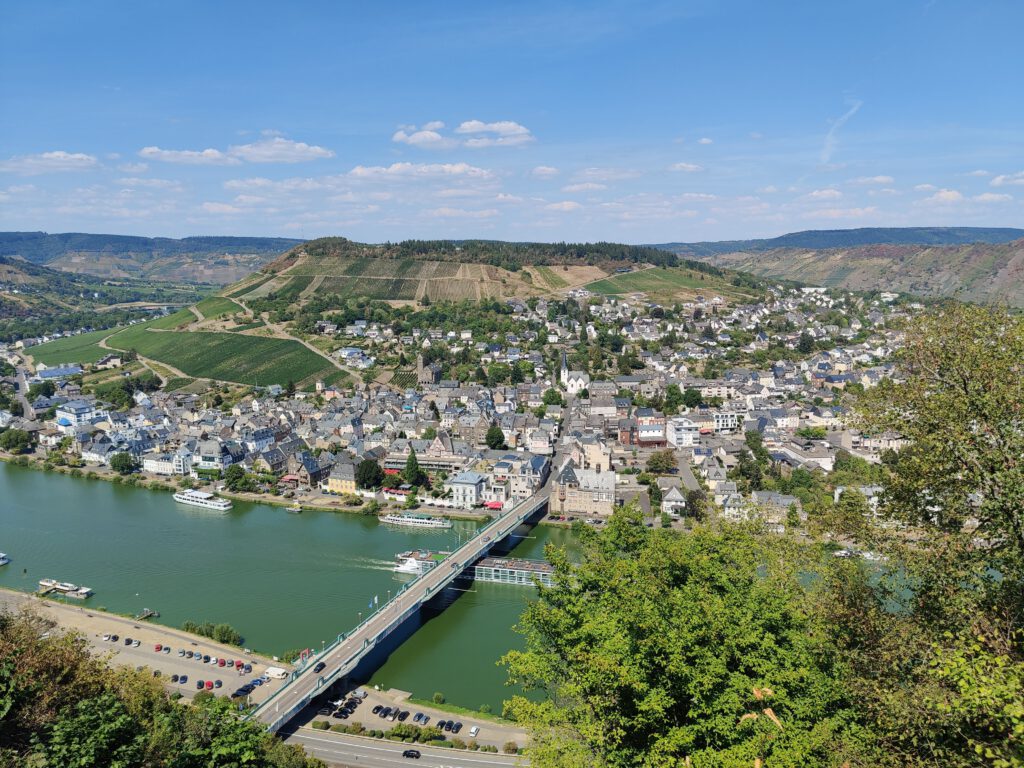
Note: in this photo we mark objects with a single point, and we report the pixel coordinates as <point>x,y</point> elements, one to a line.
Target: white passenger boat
<point>417,561</point>
<point>202,499</point>
<point>416,521</point>
<point>4,559</point>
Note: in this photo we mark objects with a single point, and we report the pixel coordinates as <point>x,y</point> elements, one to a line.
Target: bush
<point>458,743</point>
<point>321,725</point>
<point>510,748</point>
<point>438,698</point>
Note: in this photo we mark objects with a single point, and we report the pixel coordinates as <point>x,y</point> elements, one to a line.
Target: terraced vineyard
<point>669,285</point>
<point>254,360</point>
<point>217,306</point>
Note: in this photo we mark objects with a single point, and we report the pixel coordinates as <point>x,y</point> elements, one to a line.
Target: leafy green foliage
<point>15,441</point>
<point>123,463</point>
<point>653,648</point>
<point>495,438</point>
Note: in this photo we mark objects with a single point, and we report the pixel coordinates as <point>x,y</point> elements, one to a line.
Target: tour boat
<point>417,561</point>
<point>4,559</point>
<point>65,588</point>
<point>416,521</point>
<point>202,499</point>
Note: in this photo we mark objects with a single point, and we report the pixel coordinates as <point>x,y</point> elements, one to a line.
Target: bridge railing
<point>342,637</point>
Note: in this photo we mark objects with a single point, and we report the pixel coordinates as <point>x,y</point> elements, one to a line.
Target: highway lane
<point>297,694</point>
<point>339,749</point>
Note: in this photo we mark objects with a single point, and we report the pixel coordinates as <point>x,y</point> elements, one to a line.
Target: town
<point>698,410</point>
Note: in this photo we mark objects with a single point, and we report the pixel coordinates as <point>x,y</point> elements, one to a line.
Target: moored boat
<point>202,499</point>
<point>416,521</point>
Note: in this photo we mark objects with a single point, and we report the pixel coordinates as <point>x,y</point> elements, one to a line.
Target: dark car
<point>376,710</point>
<point>324,711</point>
<point>127,641</point>
<point>320,667</point>
<point>417,717</point>
<point>174,678</point>
<point>415,753</point>
<point>385,712</point>
<point>441,724</point>
<point>457,727</point>
<point>183,679</point>
<point>449,725</point>
<point>217,683</point>
<point>247,668</point>
<point>206,658</point>
<point>403,716</point>
<point>342,714</point>
<point>200,684</point>
<point>188,654</point>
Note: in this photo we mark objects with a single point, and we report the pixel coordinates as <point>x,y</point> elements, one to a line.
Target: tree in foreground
<point>653,650</point>
<point>369,474</point>
<point>495,438</point>
<point>123,463</point>
<point>412,474</point>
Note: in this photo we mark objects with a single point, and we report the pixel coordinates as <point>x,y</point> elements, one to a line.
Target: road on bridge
<point>286,704</point>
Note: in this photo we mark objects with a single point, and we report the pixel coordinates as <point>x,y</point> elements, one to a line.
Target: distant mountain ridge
<point>849,238</point>
<point>216,260</point>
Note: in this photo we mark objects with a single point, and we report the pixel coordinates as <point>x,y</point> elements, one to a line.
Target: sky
<point>638,122</point>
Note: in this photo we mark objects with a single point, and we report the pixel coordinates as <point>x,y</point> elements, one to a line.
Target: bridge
<point>343,655</point>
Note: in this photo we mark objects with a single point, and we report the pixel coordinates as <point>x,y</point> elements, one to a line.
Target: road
<point>339,749</point>
<point>29,413</point>
<point>339,659</point>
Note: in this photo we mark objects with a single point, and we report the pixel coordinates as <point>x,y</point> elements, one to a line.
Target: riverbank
<point>314,500</point>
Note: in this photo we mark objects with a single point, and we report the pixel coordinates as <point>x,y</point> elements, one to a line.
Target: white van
<point>276,672</point>
<point>474,731</point>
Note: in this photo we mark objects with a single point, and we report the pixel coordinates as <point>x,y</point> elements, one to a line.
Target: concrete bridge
<point>343,655</point>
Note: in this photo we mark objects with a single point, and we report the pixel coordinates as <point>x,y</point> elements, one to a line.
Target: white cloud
<point>433,125</point>
<point>1008,178</point>
<point>585,186</point>
<point>977,173</point>
<point>220,208</point>
<point>606,174</point>
<point>769,190</point>
<point>686,167</point>
<point>133,167</point>
<point>697,196</point>
<point>824,194</point>
<point>925,188</point>
<point>565,205</point>
<point>945,196</point>
<point>150,183</point>
<point>505,133</point>
<point>873,180</point>
<point>48,162</point>
<point>462,213</point>
<point>840,213</point>
<point>189,156</point>
<point>705,140</point>
<point>991,197</point>
<point>425,139</point>
<point>832,137</point>
<point>420,171</point>
<point>279,150</point>
<point>544,172</point>
<point>503,197</point>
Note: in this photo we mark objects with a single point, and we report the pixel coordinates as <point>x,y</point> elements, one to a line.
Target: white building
<point>681,432</point>
<point>466,489</point>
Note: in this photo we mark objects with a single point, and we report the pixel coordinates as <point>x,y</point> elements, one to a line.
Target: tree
<point>41,389</point>
<point>673,398</point>
<point>696,503</point>
<point>692,398</point>
<point>495,438</point>
<point>430,433</point>
<point>234,477</point>
<point>629,680</point>
<point>413,475</point>
<point>662,462</point>
<point>806,343</point>
<point>123,463</point>
<point>15,441</point>
<point>369,474</point>
<point>552,397</point>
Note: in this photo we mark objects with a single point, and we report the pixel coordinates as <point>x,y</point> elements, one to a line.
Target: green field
<point>172,321</point>
<point>548,275</point>
<point>252,360</point>
<point>346,287</point>
<point>177,383</point>
<point>667,285</point>
<point>83,348</point>
<point>252,286</point>
<point>217,306</point>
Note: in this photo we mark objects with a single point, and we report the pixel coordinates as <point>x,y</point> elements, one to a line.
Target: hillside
<point>35,299</point>
<point>217,260</point>
<point>977,272</point>
<point>850,238</point>
<point>473,270</point>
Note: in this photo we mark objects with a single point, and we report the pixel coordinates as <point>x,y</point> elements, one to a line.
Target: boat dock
<point>504,570</point>
<point>64,588</point>
<point>147,613</point>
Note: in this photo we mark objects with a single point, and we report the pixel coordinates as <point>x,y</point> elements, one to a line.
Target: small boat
<point>295,509</point>
<point>417,561</point>
<point>4,559</point>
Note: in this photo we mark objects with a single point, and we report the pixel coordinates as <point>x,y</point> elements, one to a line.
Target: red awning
<point>493,505</point>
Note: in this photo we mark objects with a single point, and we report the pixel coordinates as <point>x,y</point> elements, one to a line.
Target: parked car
<point>441,724</point>
<point>385,712</point>
<point>127,641</point>
<point>376,709</point>
<point>417,717</point>
<point>188,654</point>
<point>247,668</point>
<point>206,658</point>
<point>209,685</point>
<point>158,647</point>
<point>183,679</point>
<point>114,638</point>
<point>457,727</point>
<point>217,684</point>
<point>200,684</point>
<point>167,649</point>
<point>221,662</point>
<point>474,731</point>
<point>403,716</point>
<point>449,725</point>
<point>106,636</point>
<point>181,652</point>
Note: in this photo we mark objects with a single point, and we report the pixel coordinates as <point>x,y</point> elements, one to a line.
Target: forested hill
<point>216,260</point>
<point>849,238</point>
<point>497,253</point>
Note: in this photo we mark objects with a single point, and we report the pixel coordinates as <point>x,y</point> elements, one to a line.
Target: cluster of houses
<point>590,449</point>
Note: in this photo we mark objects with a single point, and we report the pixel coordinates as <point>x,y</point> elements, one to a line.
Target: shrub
<point>438,698</point>
<point>321,725</point>
<point>458,743</point>
<point>510,748</point>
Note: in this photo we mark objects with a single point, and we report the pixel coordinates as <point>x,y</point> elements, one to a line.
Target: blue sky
<point>625,121</point>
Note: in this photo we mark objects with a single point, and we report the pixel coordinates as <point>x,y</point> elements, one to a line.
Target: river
<point>283,581</point>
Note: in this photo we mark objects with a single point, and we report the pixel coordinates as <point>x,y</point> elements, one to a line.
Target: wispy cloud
<point>992,197</point>
<point>544,172</point>
<point>585,186</point>
<point>832,137</point>
<point>462,213</point>
<point>48,162</point>
<point>269,150</point>
<point>1007,179</point>
<point>565,205</point>
<point>823,194</point>
<point>686,167</point>
<point>873,180</point>
<point>505,133</point>
<point>420,171</point>
<point>189,156</point>
<point>945,196</point>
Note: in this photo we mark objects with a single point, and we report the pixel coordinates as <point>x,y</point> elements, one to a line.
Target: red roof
<point>392,471</point>
<point>493,505</point>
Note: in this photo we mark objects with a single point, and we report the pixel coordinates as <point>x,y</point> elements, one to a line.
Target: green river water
<point>283,581</point>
